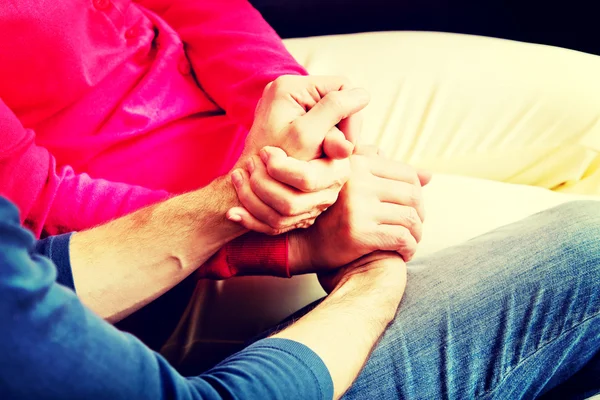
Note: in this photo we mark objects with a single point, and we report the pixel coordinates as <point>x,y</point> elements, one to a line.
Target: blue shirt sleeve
<point>53,347</point>
<point>56,248</point>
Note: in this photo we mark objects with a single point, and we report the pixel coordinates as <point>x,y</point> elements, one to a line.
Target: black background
<point>571,24</point>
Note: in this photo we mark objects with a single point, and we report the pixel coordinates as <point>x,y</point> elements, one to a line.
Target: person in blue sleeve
<point>514,313</point>
<point>523,323</point>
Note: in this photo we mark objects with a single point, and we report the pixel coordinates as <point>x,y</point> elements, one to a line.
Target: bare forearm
<point>123,265</point>
<point>345,327</point>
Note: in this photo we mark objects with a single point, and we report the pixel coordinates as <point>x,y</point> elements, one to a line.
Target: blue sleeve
<point>56,248</point>
<point>53,347</point>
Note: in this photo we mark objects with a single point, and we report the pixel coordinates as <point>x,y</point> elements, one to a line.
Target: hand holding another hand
<point>284,192</point>
<point>315,121</point>
<point>308,117</point>
<point>379,208</point>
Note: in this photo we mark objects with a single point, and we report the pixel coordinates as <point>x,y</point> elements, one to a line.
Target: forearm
<point>123,265</point>
<point>51,338</point>
<point>345,327</point>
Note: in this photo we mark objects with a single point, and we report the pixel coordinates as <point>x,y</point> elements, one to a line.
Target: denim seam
<point>509,373</point>
<point>318,382</point>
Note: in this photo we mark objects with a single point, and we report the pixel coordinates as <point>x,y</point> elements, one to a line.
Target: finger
<point>301,92</point>
<point>306,133</point>
<point>310,90</point>
<point>390,169</point>
<point>424,176</point>
<point>336,106</point>
<point>307,176</point>
<point>366,150</point>
<point>351,127</point>
<point>398,238</point>
<point>402,193</point>
<point>395,214</point>
<point>241,216</point>
<point>258,208</point>
<point>336,146</point>
<point>287,200</point>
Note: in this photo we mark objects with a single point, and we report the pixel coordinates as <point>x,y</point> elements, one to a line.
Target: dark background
<point>571,24</point>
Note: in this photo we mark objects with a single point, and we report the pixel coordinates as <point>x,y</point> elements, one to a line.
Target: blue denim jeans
<point>512,314</point>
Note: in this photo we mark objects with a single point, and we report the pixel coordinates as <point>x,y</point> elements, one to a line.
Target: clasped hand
<point>302,160</point>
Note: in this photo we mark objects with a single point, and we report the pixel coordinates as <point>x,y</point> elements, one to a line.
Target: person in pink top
<point>113,105</point>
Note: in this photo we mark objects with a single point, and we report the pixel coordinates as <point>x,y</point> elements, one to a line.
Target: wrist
<point>377,280</point>
<point>200,221</point>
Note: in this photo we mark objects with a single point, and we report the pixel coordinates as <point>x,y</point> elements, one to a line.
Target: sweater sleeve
<point>56,248</point>
<point>57,200</point>
<point>250,254</point>
<point>54,347</point>
<point>233,51</point>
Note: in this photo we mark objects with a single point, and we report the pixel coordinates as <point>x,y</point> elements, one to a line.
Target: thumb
<point>313,127</point>
<point>336,145</point>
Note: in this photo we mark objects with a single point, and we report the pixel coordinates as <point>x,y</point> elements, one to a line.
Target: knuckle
<point>289,207</point>
<point>415,196</point>
<point>307,182</point>
<point>275,221</point>
<point>414,176</point>
<point>279,84</point>
<point>255,183</point>
<point>407,254</point>
<point>402,238</point>
<point>298,129</point>
<point>412,217</point>
<point>411,173</point>
<point>411,250</point>
<point>330,198</point>
<point>340,173</point>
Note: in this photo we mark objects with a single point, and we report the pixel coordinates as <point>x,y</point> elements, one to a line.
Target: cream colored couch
<point>500,123</point>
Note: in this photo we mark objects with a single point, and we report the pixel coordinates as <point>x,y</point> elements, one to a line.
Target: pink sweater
<point>109,105</point>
